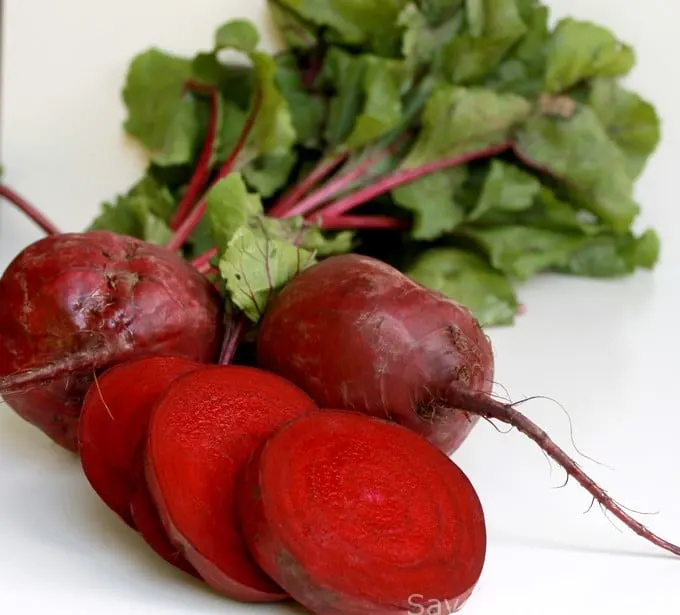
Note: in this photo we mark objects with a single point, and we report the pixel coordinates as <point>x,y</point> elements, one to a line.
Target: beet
<point>352,514</point>
<point>357,334</point>
<point>201,434</point>
<point>73,305</point>
<point>114,422</point>
<point>148,524</point>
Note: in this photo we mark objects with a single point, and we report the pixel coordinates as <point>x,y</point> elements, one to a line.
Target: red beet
<point>114,422</point>
<point>72,305</point>
<point>201,434</point>
<point>150,527</point>
<point>354,333</point>
<point>352,514</point>
<point>357,334</point>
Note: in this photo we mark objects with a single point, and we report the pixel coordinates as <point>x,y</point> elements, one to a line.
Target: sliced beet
<point>114,422</point>
<point>150,527</point>
<point>201,434</point>
<point>352,514</point>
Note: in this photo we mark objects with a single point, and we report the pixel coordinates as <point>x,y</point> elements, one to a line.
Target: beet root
<point>354,333</point>
<point>357,334</point>
<point>355,515</point>
<point>201,434</point>
<point>73,305</point>
<point>114,422</point>
<point>148,524</point>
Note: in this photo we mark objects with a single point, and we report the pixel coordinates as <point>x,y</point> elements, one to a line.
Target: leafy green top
<point>400,84</point>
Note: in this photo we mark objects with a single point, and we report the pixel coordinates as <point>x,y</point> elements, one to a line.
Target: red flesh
<point>150,527</point>
<point>114,422</point>
<point>201,434</point>
<point>355,334</point>
<point>351,514</point>
<point>72,305</point>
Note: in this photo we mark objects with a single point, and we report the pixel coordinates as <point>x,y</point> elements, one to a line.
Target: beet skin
<point>74,304</point>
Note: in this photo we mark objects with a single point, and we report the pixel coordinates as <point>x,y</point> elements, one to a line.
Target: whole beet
<point>356,334</point>
<point>74,304</point>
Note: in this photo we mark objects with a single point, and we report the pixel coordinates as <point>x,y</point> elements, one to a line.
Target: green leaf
<point>182,139</point>
<point>301,233</point>
<point>232,121</point>
<point>370,24</point>
<point>469,280</point>
<point>142,212</point>
<point>423,39</point>
<point>235,82</point>
<point>631,122</point>
<point>579,152</point>
<point>325,244</point>
<point>506,188</point>
<point>153,94</point>
<point>522,252</point>
<point>465,120</point>
<point>274,132</point>
<point>254,268</point>
<point>581,50</point>
<point>610,256</point>
<point>367,100</point>
<point>523,69</point>
<point>432,200</point>
<point>296,32</point>
<point>238,34</point>
<point>269,173</point>
<point>494,26</point>
<point>382,109</point>
<point>438,11</point>
<point>308,110</point>
<point>229,206</point>
<point>546,211</point>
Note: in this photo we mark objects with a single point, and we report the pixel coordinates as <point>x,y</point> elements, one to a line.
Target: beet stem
<point>233,338</point>
<point>333,187</point>
<point>200,262</point>
<point>187,227</point>
<point>405,176</point>
<point>322,170</point>
<point>32,212</point>
<point>485,407</point>
<point>363,222</point>
<point>202,171</point>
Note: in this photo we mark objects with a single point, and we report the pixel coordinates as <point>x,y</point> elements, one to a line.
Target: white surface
<point>607,351</point>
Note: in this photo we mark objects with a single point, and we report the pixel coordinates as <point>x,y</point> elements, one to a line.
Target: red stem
<point>481,405</point>
<point>333,187</point>
<point>32,212</point>
<point>324,168</point>
<point>204,259</point>
<point>232,339</point>
<point>187,227</point>
<point>363,222</point>
<point>405,176</point>
<point>202,172</point>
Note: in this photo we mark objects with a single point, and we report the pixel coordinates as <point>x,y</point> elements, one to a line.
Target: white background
<point>608,351</point>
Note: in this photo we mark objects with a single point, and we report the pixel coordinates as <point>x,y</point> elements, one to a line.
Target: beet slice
<point>353,514</point>
<point>151,528</point>
<point>201,434</point>
<point>114,422</point>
